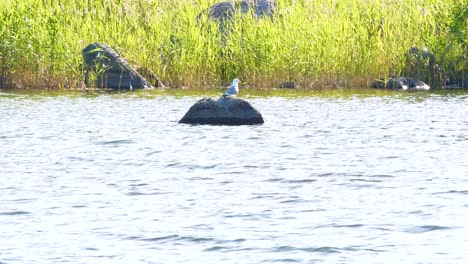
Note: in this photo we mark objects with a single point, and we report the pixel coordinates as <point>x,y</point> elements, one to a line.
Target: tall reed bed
<point>320,43</point>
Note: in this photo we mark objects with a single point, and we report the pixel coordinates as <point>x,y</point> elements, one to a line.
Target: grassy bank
<point>320,43</point>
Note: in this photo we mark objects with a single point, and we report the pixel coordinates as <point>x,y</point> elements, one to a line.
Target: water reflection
<point>370,176</point>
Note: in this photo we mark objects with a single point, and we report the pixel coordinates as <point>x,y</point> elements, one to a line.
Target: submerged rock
<point>109,70</point>
<point>401,83</point>
<point>224,111</point>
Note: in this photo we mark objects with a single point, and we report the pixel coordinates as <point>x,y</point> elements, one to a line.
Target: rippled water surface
<point>329,178</point>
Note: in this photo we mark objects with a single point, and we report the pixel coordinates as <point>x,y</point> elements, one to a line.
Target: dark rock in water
<point>401,83</point>
<point>421,64</point>
<point>7,83</point>
<point>109,70</point>
<point>225,10</point>
<point>224,111</point>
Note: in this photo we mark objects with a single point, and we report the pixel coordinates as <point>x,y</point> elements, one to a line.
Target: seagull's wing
<point>231,90</point>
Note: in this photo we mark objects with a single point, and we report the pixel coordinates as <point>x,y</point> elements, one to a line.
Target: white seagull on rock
<point>233,89</point>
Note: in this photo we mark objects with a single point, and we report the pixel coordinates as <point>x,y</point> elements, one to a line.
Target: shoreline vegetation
<point>316,44</point>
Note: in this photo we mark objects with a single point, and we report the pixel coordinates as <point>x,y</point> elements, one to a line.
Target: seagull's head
<point>235,81</point>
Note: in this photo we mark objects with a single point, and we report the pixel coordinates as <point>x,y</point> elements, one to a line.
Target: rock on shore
<point>401,83</point>
<point>421,64</point>
<point>108,70</point>
<point>226,9</point>
<point>224,111</point>
<point>7,83</point>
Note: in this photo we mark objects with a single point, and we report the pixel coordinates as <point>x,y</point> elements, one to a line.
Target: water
<point>331,177</point>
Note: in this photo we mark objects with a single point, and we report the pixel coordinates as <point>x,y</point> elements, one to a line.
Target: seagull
<point>233,89</point>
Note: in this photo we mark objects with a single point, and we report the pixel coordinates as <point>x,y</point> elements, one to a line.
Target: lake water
<point>331,177</point>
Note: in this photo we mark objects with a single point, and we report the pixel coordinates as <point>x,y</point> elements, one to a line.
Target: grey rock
<point>421,64</point>
<point>461,83</point>
<point>225,10</point>
<point>109,70</point>
<point>224,111</point>
<point>289,85</point>
<point>401,83</point>
<point>7,83</point>
<point>422,55</point>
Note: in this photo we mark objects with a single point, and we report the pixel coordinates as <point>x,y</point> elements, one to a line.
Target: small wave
<point>79,206</point>
<point>458,192</point>
<point>266,196</point>
<point>204,227</point>
<point>216,248</point>
<point>116,142</point>
<point>201,178</point>
<point>195,239</point>
<point>153,152</point>
<point>79,159</point>
<point>247,216</point>
<point>190,166</point>
<point>262,197</point>
<point>426,228</point>
<point>172,164</point>
<point>417,212</point>
<point>236,240</point>
<point>25,200</point>
<point>161,239</point>
<point>326,250</point>
<point>205,167</point>
<point>326,174</point>
<point>364,180</point>
<point>170,238</point>
<point>293,201</point>
<point>390,157</point>
<point>137,193</point>
<point>138,184</point>
<point>251,166</point>
<point>283,260</point>
<point>91,249</point>
<point>348,226</point>
<point>15,213</point>
<point>382,176</point>
<point>274,180</point>
<point>300,181</point>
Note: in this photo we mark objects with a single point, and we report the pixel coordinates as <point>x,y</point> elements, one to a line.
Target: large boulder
<point>224,111</point>
<point>104,68</point>
<point>225,10</point>
<point>401,83</point>
<point>421,64</point>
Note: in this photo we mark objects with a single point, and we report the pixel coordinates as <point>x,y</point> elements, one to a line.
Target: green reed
<point>320,43</point>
